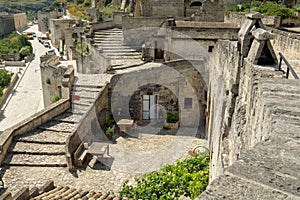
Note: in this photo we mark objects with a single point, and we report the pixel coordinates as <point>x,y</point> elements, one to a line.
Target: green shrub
<point>55,98</point>
<point>109,132</point>
<point>172,118</point>
<point>274,9</point>
<point>5,77</point>
<point>1,91</point>
<point>188,177</point>
<point>296,8</point>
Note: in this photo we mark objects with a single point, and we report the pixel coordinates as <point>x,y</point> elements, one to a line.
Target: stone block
<point>22,194</point>
<point>255,15</point>
<point>261,34</point>
<point>47,187</point>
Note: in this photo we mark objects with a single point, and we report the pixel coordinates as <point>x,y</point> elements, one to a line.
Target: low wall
<point>6,92</point>
<point>10,57</point>
<point>95,63</point>
<point>136,30</point>
<point>31,123</point>
<point>88,129</point>
<point>238,19</point>
<point>287,43</point>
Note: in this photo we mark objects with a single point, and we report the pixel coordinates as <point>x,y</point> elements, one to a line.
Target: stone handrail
<point>31,123</point>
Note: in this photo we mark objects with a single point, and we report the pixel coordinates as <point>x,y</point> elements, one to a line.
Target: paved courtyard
<point>128,158</point>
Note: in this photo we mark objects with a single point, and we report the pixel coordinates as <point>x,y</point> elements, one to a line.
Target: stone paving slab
<point>25,147</point>
<point>234,188</point>
<point>44,136</point>
<point>101,178</point>
<point>58,126</point>
<point>35,160</point>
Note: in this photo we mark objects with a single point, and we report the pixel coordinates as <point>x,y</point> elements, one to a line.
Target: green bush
<point>5,77</point>
<point>269,8</point>
<point>109,132</point>
<point>274,9</point>
<point>188,177</point>
<point>14,43</point>
<point>172,118</point>
<point>55,98</point>
<point>296,8</point>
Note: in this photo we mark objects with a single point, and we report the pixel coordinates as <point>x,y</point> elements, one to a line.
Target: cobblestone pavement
<point>95,176</point>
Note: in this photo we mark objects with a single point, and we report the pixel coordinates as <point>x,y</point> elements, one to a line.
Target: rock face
<point>253,125</point>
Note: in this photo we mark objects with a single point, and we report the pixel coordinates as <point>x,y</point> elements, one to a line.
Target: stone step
<point>80,107</point>
<point>110,33</point>
<point>37,148</point>
<point>86,89</point>
<point>43,137</point>
<point>119,51</point>
<point>112,54</point>
<point>107,38</point>
<point>58,126</point>
<point>35,160</point>
<point>263,165</point>
<point>126,57</point>
<point>87,86</point>
<point>85,94</point>
<point>107,47</point>
<point>67,117</point>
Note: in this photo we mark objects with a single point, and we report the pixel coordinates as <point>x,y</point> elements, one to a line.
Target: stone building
<point>44,20</point>
<point>10,23</point>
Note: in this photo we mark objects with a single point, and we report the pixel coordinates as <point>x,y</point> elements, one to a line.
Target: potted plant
<point>109,133</point>
<point>172,121</point>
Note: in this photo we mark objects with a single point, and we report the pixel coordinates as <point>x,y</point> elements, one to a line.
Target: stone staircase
<point>110,42</point>
<point>45,146</point>
<point>270,169</point>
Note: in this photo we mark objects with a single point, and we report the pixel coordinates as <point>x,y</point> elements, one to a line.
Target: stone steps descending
<point>110,43</point>
<point>58,126</point>
<point>43,137</point>
<point>35,160</point>
<point>23,147</point>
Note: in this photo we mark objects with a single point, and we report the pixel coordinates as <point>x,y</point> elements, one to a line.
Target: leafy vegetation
<point>188,177</point>
<point>48,81</point>
<point>55,98</point>
<point>85,50</point>
<point>270,8</point>
<point>80,10</point>
<point>15,43</point>
<point>5,77</point>
<point>172,117</point>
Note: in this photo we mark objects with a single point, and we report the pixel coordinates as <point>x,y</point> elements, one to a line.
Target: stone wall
<point>155,8</point>
<point>58,34</point>
<point>238,19</point>
<point>88,129</point>
<point>55,80</point>
<point>94,63</point>
<point>137,30</point>
<point>20,21</point>
<point>6,24</point>
<point>223,90</point>
<point>287,43</point>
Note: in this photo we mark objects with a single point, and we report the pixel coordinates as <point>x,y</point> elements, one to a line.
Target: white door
<point>149,107</point>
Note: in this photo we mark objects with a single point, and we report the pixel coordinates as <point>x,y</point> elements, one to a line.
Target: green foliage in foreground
<point>188,177</point>
<point>5,77</point>
<point>269,8</point>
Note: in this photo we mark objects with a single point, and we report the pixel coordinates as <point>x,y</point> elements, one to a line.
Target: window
<point>188,103</point>
<point>210,48</point>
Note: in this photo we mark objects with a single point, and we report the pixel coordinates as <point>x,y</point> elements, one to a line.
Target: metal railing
<point>289,67</point>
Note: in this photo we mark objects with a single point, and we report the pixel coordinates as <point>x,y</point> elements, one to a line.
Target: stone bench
<point>80,155</point>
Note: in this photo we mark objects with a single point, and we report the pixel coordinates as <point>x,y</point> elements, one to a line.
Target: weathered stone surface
<point>255,15</point>
<point>261,34</point>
